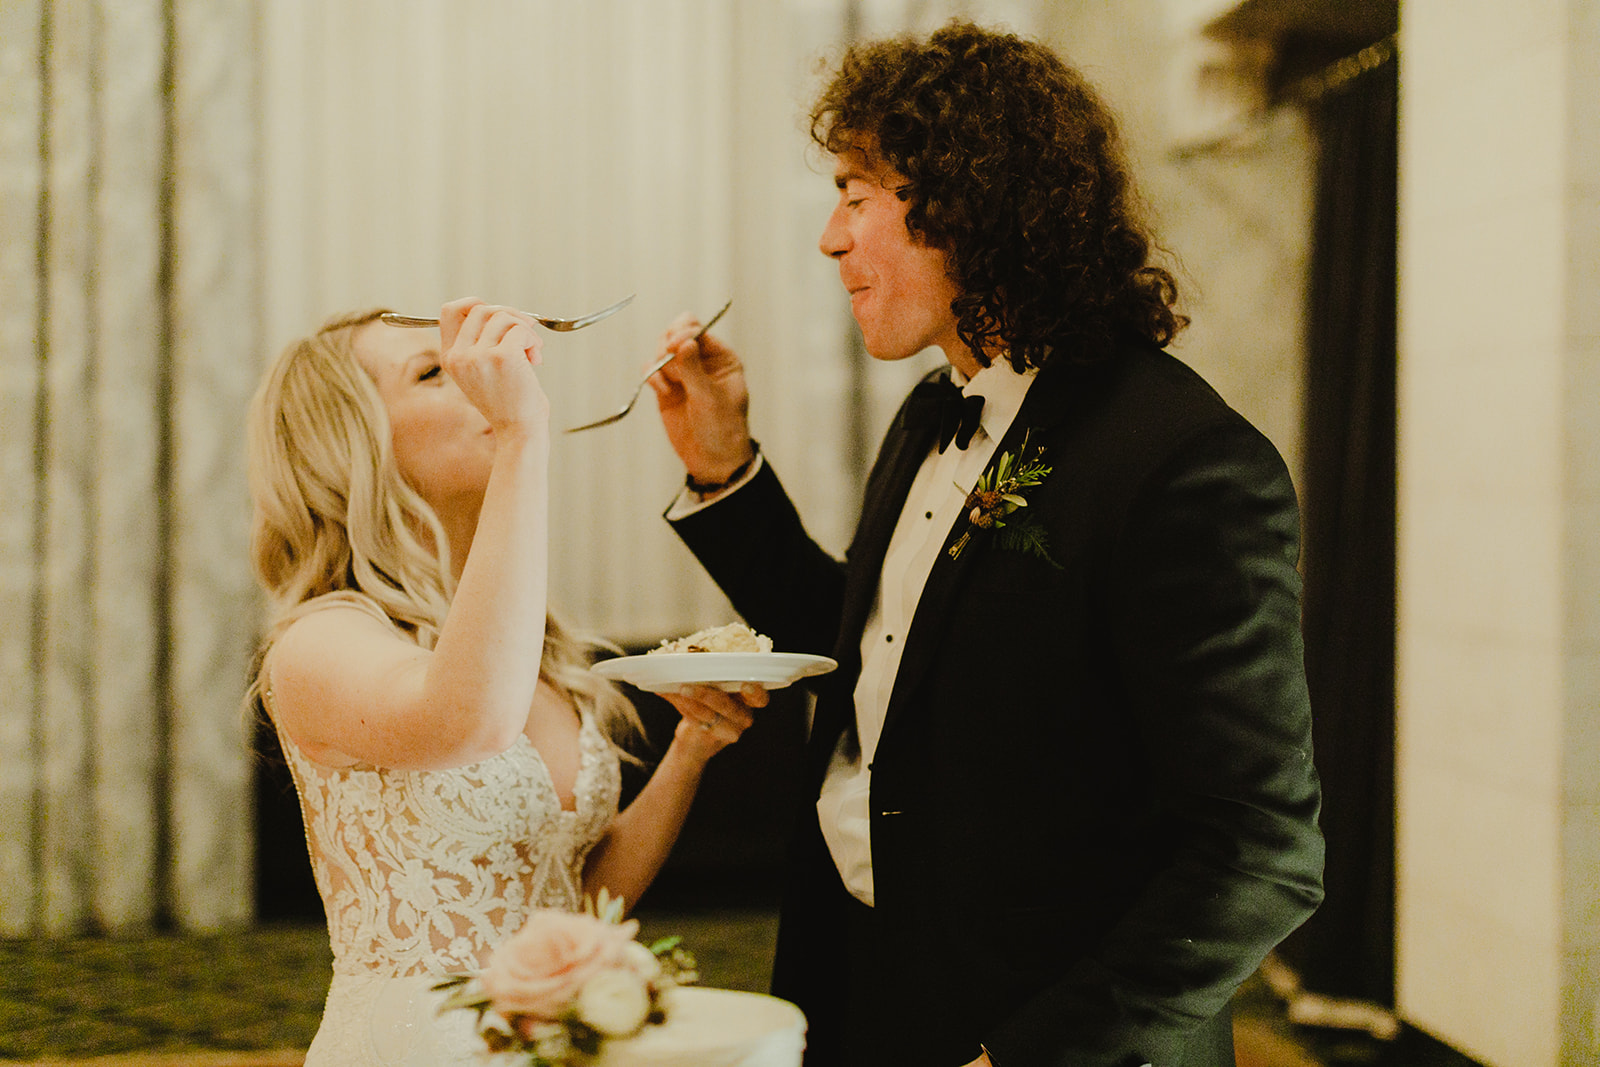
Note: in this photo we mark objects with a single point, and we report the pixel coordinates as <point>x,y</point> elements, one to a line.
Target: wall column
<point>1498,660</point>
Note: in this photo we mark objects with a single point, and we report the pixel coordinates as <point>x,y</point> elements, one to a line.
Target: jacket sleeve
<point>756,549</point>
<point>1204,606</point>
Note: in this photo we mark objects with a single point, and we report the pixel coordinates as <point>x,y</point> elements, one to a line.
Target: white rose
<point>540,970</point>
<point>616,1003</point>
<point>642,961</point>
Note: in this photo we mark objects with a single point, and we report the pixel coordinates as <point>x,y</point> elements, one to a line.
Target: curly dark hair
<point>1012,166</point>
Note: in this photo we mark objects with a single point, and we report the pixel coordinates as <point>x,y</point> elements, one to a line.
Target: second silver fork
<point>390,318</point>
<point>617,416</point>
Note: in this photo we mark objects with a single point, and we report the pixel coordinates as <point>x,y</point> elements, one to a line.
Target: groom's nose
<point>835,239</point>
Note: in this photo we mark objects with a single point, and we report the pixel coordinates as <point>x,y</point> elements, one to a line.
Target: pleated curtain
<point>130,325</point>
<point>1347,948</point>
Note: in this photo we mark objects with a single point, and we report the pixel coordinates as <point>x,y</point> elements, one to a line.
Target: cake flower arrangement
<point>566,983</point>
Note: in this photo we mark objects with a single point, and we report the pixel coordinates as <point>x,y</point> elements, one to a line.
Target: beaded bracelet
<point>707,488</point>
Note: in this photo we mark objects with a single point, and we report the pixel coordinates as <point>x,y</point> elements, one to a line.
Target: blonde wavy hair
<point>335,522</point>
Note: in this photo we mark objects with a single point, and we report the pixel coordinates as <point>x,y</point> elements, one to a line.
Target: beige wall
<point>1499,651</point>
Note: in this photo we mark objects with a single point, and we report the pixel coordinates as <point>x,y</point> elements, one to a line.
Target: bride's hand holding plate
<point>713,718</point>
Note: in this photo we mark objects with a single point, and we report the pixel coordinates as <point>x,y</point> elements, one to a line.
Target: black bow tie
<point>940,404</point>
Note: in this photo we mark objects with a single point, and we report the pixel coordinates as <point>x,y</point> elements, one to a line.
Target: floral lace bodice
<point>425,872</point>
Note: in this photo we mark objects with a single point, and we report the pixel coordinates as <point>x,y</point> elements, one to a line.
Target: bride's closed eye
<point>431,371</point>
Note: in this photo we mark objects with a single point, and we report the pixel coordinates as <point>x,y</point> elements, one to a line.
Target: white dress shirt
<point>930,512</point>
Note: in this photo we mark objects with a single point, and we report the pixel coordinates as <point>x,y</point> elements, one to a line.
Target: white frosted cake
<point>715,1028</point>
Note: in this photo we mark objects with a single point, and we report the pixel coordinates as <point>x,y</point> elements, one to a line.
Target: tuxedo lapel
<point>884,499</point>
<point>1051,401</point>
<point>887,487</point>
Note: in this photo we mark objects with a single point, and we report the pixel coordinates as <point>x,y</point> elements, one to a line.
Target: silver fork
<point>657,365</point>
<point>390,318</point>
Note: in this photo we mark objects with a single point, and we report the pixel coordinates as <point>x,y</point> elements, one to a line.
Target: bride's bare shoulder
<point>324,671</point>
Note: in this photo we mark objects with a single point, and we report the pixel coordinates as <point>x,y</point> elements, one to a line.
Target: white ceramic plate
<point>667,672</point>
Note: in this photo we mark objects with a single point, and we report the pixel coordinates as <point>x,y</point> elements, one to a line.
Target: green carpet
<point>82,997</point>
<point>257,989</point>
<point>262,989</point>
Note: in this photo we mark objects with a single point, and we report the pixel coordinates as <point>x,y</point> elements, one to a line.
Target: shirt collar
<point>1002,389</point>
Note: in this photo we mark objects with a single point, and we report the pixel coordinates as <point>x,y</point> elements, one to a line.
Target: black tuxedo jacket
<point>1094,809</point>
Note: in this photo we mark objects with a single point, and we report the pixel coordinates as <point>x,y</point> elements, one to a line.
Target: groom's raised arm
<point>755,547</point>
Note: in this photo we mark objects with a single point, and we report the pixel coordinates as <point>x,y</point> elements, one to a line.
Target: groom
<point>1061,798</point>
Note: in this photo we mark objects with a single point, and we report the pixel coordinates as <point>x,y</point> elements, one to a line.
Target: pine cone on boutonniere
<point>982,506</point>
<point>1002,491</point>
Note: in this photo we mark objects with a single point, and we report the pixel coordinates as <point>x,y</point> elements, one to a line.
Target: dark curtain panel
<point>285,890</point>
<point>1347,948</point>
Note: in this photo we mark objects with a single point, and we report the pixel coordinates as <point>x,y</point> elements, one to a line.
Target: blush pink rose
<point>540,970</point>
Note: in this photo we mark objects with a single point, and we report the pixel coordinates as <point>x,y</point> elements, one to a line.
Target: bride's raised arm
<point>470,435</point>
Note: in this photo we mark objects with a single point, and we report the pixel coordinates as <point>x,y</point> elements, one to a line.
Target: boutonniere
<point>1001,491</point>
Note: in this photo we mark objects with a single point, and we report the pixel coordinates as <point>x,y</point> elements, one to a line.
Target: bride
<point>456,762</point>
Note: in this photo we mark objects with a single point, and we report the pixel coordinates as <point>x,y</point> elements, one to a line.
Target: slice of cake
<point>734,637</point>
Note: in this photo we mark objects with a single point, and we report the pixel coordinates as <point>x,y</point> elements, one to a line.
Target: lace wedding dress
<point>423,873</point>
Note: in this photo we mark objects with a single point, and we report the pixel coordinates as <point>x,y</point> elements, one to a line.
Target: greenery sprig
<point>999,493</point>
